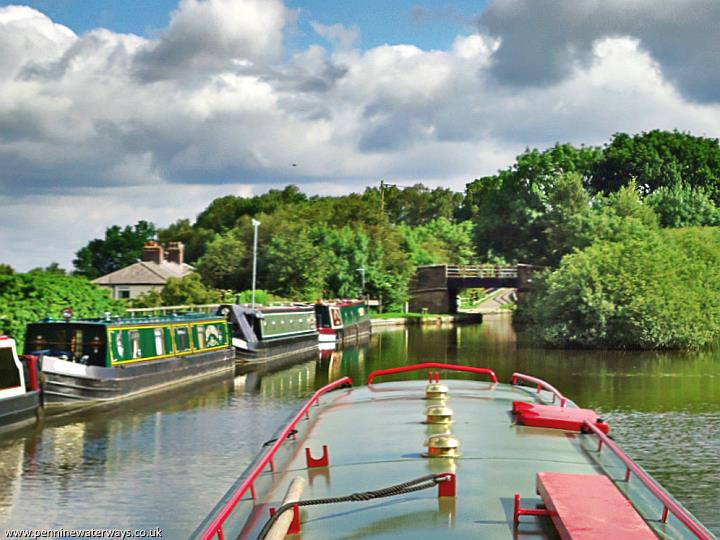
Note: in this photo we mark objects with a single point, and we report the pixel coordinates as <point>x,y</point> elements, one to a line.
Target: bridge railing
<point>482,271</point>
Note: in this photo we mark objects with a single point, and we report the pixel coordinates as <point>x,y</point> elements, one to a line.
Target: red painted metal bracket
<point>215,528</point>
<point>669,504</point>
<point>433,365</point>
<point>519,511</point>
<point>541,385</point>
<point>323,461</point>
<point>294,527</point>
<point>448,487</point>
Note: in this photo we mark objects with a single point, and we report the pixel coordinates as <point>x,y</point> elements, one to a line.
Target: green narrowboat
<point>261,335</point>
<point>343,321</point>
<point>89,361</point>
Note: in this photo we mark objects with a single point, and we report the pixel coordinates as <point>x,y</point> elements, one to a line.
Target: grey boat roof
<point>376,438</point>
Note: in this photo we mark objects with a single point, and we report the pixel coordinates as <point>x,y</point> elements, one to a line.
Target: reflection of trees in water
<point>11,463</point>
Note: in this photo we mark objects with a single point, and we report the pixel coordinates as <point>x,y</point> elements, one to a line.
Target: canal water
<point>165,461</point>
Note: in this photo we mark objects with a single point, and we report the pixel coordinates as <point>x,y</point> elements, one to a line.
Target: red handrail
<point>669,505</point>
<point>540,385</point>
<point>435,365</point>
<point>216,526</point>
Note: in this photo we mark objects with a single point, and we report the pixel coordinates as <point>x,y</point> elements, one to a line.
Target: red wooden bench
<point>587,507</point>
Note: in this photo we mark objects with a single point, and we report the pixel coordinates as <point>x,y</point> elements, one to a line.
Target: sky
<point>111,112</point>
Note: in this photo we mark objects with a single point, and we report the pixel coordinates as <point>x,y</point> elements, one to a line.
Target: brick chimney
<point>175,252</point>
<point>153,252</point>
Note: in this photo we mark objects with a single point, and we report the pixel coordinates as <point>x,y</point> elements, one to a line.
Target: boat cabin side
<point>122,341</point>
<point>12,375</point>
<point>341,314</point>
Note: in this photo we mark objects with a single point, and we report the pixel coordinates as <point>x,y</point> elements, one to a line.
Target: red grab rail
<point>435,365</point>
<point>216,526</point>
<point>540,385</point>
<point>669,505</point>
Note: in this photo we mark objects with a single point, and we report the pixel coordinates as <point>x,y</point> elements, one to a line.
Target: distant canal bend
<point>164,462</point>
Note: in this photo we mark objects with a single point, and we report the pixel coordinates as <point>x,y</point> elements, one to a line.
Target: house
<point>151,273</point>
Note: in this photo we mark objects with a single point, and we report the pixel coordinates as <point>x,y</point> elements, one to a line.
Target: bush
<point>660,291</point>
<point>27,298</point>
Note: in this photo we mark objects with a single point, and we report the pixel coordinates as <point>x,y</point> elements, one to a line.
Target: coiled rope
<point>418,484</point>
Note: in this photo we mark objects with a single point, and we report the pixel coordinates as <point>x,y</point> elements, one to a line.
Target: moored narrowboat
<point>92,361</point>
<point>261,335</point>
<point>456,458</point>
<point>342,321</point>
<point>19,387</point>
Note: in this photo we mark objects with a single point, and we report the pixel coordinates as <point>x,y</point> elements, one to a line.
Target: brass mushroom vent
<point>442,445</point>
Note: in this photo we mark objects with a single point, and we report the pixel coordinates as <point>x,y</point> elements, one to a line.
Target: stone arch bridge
<point>435,287</point>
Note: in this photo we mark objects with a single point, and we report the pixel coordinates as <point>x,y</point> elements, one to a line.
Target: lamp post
<point>255,224</point>
<point>362,276</point>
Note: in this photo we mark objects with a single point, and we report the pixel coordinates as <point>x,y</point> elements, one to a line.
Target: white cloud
<point>100,125</point>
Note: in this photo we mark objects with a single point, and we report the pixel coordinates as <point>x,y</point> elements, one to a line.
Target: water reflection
<point>166,460</point>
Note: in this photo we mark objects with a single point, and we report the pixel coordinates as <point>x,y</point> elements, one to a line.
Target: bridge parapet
<point>435,287</point>
<point>482,271</point>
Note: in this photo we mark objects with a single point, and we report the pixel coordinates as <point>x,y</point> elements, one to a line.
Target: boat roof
<point>135,321</point>
<point>375,437</point>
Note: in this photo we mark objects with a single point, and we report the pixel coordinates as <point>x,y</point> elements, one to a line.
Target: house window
<point>123,292</point>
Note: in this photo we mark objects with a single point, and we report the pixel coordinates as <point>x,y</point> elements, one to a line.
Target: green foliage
<point>440,241</point>
<point>660,290</point>
<point>658,159</point>
<point>510,209</point>
<point>262,297</point>
<point>189,290</point>
<point>120,247</point>
<point>416,205</point>
<point>224,264</point>
<point>38,294</point>
<point>195,239</point>
<point>681,205</point>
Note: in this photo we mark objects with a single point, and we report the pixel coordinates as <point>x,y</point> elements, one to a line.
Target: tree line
<point>626,231</point>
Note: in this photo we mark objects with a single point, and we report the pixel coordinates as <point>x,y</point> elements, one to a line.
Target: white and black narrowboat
<point>344,321</point>
<point>19,387</point>
<point>92,361</point>
<point>266,334</point>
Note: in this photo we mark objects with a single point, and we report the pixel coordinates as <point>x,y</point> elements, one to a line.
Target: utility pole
<point>382,197</point>
<point>256,224</point>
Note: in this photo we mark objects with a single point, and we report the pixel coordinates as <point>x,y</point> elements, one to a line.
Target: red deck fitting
<point>590,507</point>
<point>294,527</point>
<point>549,416</point>
<point>448,488</point>
<point>323,461</point>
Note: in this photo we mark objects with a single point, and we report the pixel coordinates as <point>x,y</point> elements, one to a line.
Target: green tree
<point>120,247</point>
<point>510,209</point>
<point>195,239</point>
<point>32,296</point>
<point>681,205</point>
<point>225,263</point>
<point>440,241</point>
<point>659,158</point>
<point>656,291</point>
<point>189,290</point>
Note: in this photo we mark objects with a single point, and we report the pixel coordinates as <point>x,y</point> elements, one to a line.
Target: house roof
<point>145,273</point>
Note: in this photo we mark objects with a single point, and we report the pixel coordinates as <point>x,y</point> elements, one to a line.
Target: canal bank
<point>422,319</point>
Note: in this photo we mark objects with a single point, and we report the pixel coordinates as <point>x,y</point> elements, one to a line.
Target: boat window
<point>200,329</point>
<point>182,338</point>
<point>135,343</point>
<point>159,341</point>
<point>9,373</point>
<point>76,343</point>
